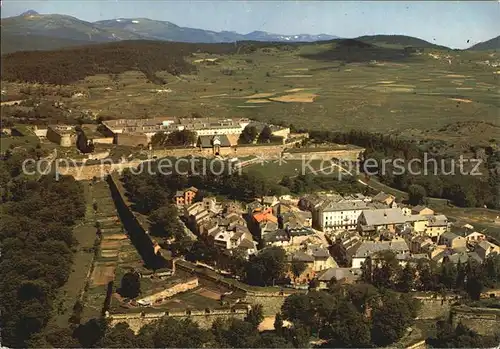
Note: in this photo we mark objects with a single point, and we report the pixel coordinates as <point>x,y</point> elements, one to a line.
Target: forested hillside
<point>62,67</point>
<point>36,238</point>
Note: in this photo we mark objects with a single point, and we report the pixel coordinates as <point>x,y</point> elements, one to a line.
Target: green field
<point>275,171</point>
<point>85,234</point>
<point>426,92</point>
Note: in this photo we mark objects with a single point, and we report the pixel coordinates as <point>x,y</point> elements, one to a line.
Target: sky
<point>456,24</point>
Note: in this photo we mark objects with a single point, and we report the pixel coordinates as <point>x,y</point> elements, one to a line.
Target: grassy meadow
<point>424,92</point>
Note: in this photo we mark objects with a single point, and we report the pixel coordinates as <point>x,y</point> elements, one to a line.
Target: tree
<point>172,333</point>
<point>278,324</point>
<point>390,320</point>
<point>183,137</point>
<point>265,135</point>
<point>164,222</point>
<point>298,268</point>
<point>130,285</point>
<point>448,275</point>
<point>248,135</point>
<point>255,315</point>
<point>119,336</point>
<point>406,280</point>
<point>90,334</point>
<point>267,266</point>
<point>416,194</point>
<point>346,327</point>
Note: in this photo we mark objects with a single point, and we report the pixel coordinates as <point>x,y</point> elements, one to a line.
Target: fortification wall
<point>100,171</point>
<point>204,319</point>
<point>345,154</point>
<point>263,150</point>
<point>485,321</point>
<point>434,307</point>
<point>271,304</point>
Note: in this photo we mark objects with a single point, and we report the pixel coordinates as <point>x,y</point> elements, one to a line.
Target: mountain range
<point>34,31</point>
<point>67,27</point>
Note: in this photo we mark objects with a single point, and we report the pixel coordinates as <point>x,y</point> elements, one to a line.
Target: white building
<point>371,248</point>
<point>340,215</point>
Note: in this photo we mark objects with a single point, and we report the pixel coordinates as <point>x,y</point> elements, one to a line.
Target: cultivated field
<point>424,92</point>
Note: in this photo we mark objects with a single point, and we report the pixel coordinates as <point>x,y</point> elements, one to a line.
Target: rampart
<point>434,307</point>
<point>204,318</point>
<point>342,154</point>
<point>485,321</point>
<point>135,228</point>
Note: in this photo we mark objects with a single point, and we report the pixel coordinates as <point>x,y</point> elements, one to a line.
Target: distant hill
<point>65,66</point>
<point>400,40</point>
<point>492,44</point>
<point>71,28</point>
<point>163,30</point>
<point>62,27</point>
<point>355,50</point>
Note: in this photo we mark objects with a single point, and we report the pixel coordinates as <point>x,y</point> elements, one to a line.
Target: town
<point>179,175</point>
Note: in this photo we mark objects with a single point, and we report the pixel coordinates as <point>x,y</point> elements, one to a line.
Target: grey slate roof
<point>344,206</point>
<point>368,248</point>
<point>384,216</point>
<point>449,236</point>
<point>381,197</point>
<point>319,252</point>
<point>279,235</point>
<point>301,256</point>
<point>339,274</point>
<point>206,141</point>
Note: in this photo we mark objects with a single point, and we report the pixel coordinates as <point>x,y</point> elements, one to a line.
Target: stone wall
<point>345,154</point>
<point>131,139</point>
<point>203,318</point>
<point>100,171</point>
<point>271,304</point>
<point>434,307</point>
<point>236,151</point>
<point>485,321</point>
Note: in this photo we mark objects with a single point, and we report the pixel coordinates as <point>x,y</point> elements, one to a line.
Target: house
<point>300,257</point>
<point>265,221</point>
<point>295,219</point>
<point>338,275</point>
<point>267,227</point>
<point>185,197</point>
<point>210,204</point>
<point>269,201</point>
<point>485,248</point>
<point>422,210</point>
<point>322,258</point>
<point>215,142</point>
<point>375,220</point>
<point>475,237</point>
<point>420,244</point>
<point>386,199</point>
<point>436,226</point>
<point>372,248</point>
<point>277,238</point>
<point>289,200</point>
<point>233,206</point>
<point>344,247</point>
<point>463,257</point>
<point>248,245</point>
<point>452,240</point>
<point>64,135</point>
<point>340,215</point>
<point>253,207</point>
